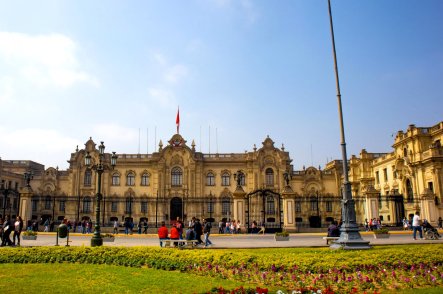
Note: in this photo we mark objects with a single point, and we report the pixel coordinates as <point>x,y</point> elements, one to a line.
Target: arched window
<point>269,180</point>
<point>48,202</point>
<point>130,179</point>
<point>226,205</point>
<point>88,178</point>
<point>145,179</point>
<point>226,179</point>
<point>115,179</point>
<point>270,205</point>
<point>210,179</point>
<point>176,176</point>
<point>87,204</point>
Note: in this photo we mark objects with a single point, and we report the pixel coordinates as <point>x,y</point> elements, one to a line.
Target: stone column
<point>372,206</point>
<point>240,205</point>
<point>289,209</point>
<point>428,208</point>
<point>26,204</point>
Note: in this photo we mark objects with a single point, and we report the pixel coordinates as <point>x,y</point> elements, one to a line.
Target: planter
<point>381,236</point>
<point>26,237</point>
<point>281,238</point>
<point>108,239</point>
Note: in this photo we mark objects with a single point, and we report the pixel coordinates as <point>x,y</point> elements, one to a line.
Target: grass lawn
<point>90,278</point>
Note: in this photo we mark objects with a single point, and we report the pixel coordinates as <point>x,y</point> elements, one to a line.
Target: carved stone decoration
<point>176,160</point>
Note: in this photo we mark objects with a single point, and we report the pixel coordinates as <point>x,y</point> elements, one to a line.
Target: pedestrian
<point>440,223</point>
<point>207,230</point>
<point>198,229</point>
<point>7,229</point>
<point>115,227</point>
<point>18,227</point>
<point>416,226</point>
<point>220,226</point>
<point>162,233</point>
<point>46,224</point>
<point>145,226</point>
<point>175,235</point>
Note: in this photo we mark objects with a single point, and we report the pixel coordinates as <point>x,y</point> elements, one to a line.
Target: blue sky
<point>244,69</point>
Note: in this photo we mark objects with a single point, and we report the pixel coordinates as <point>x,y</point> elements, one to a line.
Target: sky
<point>239,70</point>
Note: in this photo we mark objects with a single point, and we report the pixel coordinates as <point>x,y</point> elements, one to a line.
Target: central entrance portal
<point>176,208</point>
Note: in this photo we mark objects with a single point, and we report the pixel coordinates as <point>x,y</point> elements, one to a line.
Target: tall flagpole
<point>350,237</point>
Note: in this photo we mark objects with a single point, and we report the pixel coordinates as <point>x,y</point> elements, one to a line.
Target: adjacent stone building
<point>257,185</point>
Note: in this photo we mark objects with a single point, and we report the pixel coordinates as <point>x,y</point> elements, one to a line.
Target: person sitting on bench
<point>333,230</point>
<point>175,235</point>
<point>163,233</point>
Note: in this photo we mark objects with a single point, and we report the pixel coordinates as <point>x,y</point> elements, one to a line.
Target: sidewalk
<point>229,241</point>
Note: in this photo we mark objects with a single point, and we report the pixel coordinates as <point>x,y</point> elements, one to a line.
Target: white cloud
<point>46,146</point>
<point>162,97</point>
<point>176,73</point>
<point>42,60</point>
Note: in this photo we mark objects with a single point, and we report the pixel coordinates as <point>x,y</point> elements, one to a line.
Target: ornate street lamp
<point>28,176</point>
<point>350,237</point>
<point>99,168</point>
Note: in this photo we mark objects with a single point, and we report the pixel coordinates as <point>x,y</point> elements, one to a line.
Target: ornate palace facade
<point>261,185</point>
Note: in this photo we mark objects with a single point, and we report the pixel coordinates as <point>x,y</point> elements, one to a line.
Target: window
<point>115,179</point>
<point>210,206</point>
<point>226,204</point>
<point>298,206</point>
<point>114,206</point>
<point>128,202</point>
<point>87,204</point>
<point>394,173</point>
<point>314,204</point>
<point>377,178</point>
<point>48,202</point>
<point>409,191</point>
<point>269,179</point>
<point>34,204</point>
<point>210,179</point>
<point>177,176</point>
<point>270,205</point>
<point>431,186</point>
<point>62,205</point>
<point>145,179</point>
<point>328,206</point>
<point>88,178</point>
<point>144,206</point>
<point>130,179</point>
<point>226,179</point>
<point>385,174</point>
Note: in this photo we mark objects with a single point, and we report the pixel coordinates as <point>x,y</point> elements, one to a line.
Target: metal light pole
<point>350,237</point>
<point>96,239</point>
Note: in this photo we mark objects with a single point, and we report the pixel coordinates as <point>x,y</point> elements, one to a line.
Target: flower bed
<point>292,269</point>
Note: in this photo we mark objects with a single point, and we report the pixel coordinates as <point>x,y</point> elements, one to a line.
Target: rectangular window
<point>431,186</point>
<point>210,207</point>
<point>62,205</point>
<point>377,178</point>
<point>115,180</point>
<point>385,174</point>
<point>225,207</point>
<point>297,206</point>
<point>88,178</point>
<point>144,206</point>
<point>113,206</point>
<point>34,204</point>
<point>328,206</point>
<point>314,205</point>
<point>394,173</point>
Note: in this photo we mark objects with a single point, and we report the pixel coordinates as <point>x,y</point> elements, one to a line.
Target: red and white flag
<point>177,120</point>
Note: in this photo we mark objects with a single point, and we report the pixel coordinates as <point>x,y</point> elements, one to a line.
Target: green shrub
<point>381,231</point>
<point>282,234</point>
<point>29,233</point>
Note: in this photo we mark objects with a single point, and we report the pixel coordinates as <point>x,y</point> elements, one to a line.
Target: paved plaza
<point>229,241</point>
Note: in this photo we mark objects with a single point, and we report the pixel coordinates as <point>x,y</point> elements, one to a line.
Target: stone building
<point>257,185</point>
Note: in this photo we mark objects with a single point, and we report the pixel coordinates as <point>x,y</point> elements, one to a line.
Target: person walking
<point>18,227</point>
<point>115,227</point>
<point>7,229</point>
<point>440,223</point>
<point>46,224</point>
<point>416,226</point>
<point>207,230</point>
<point>145,226</point>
